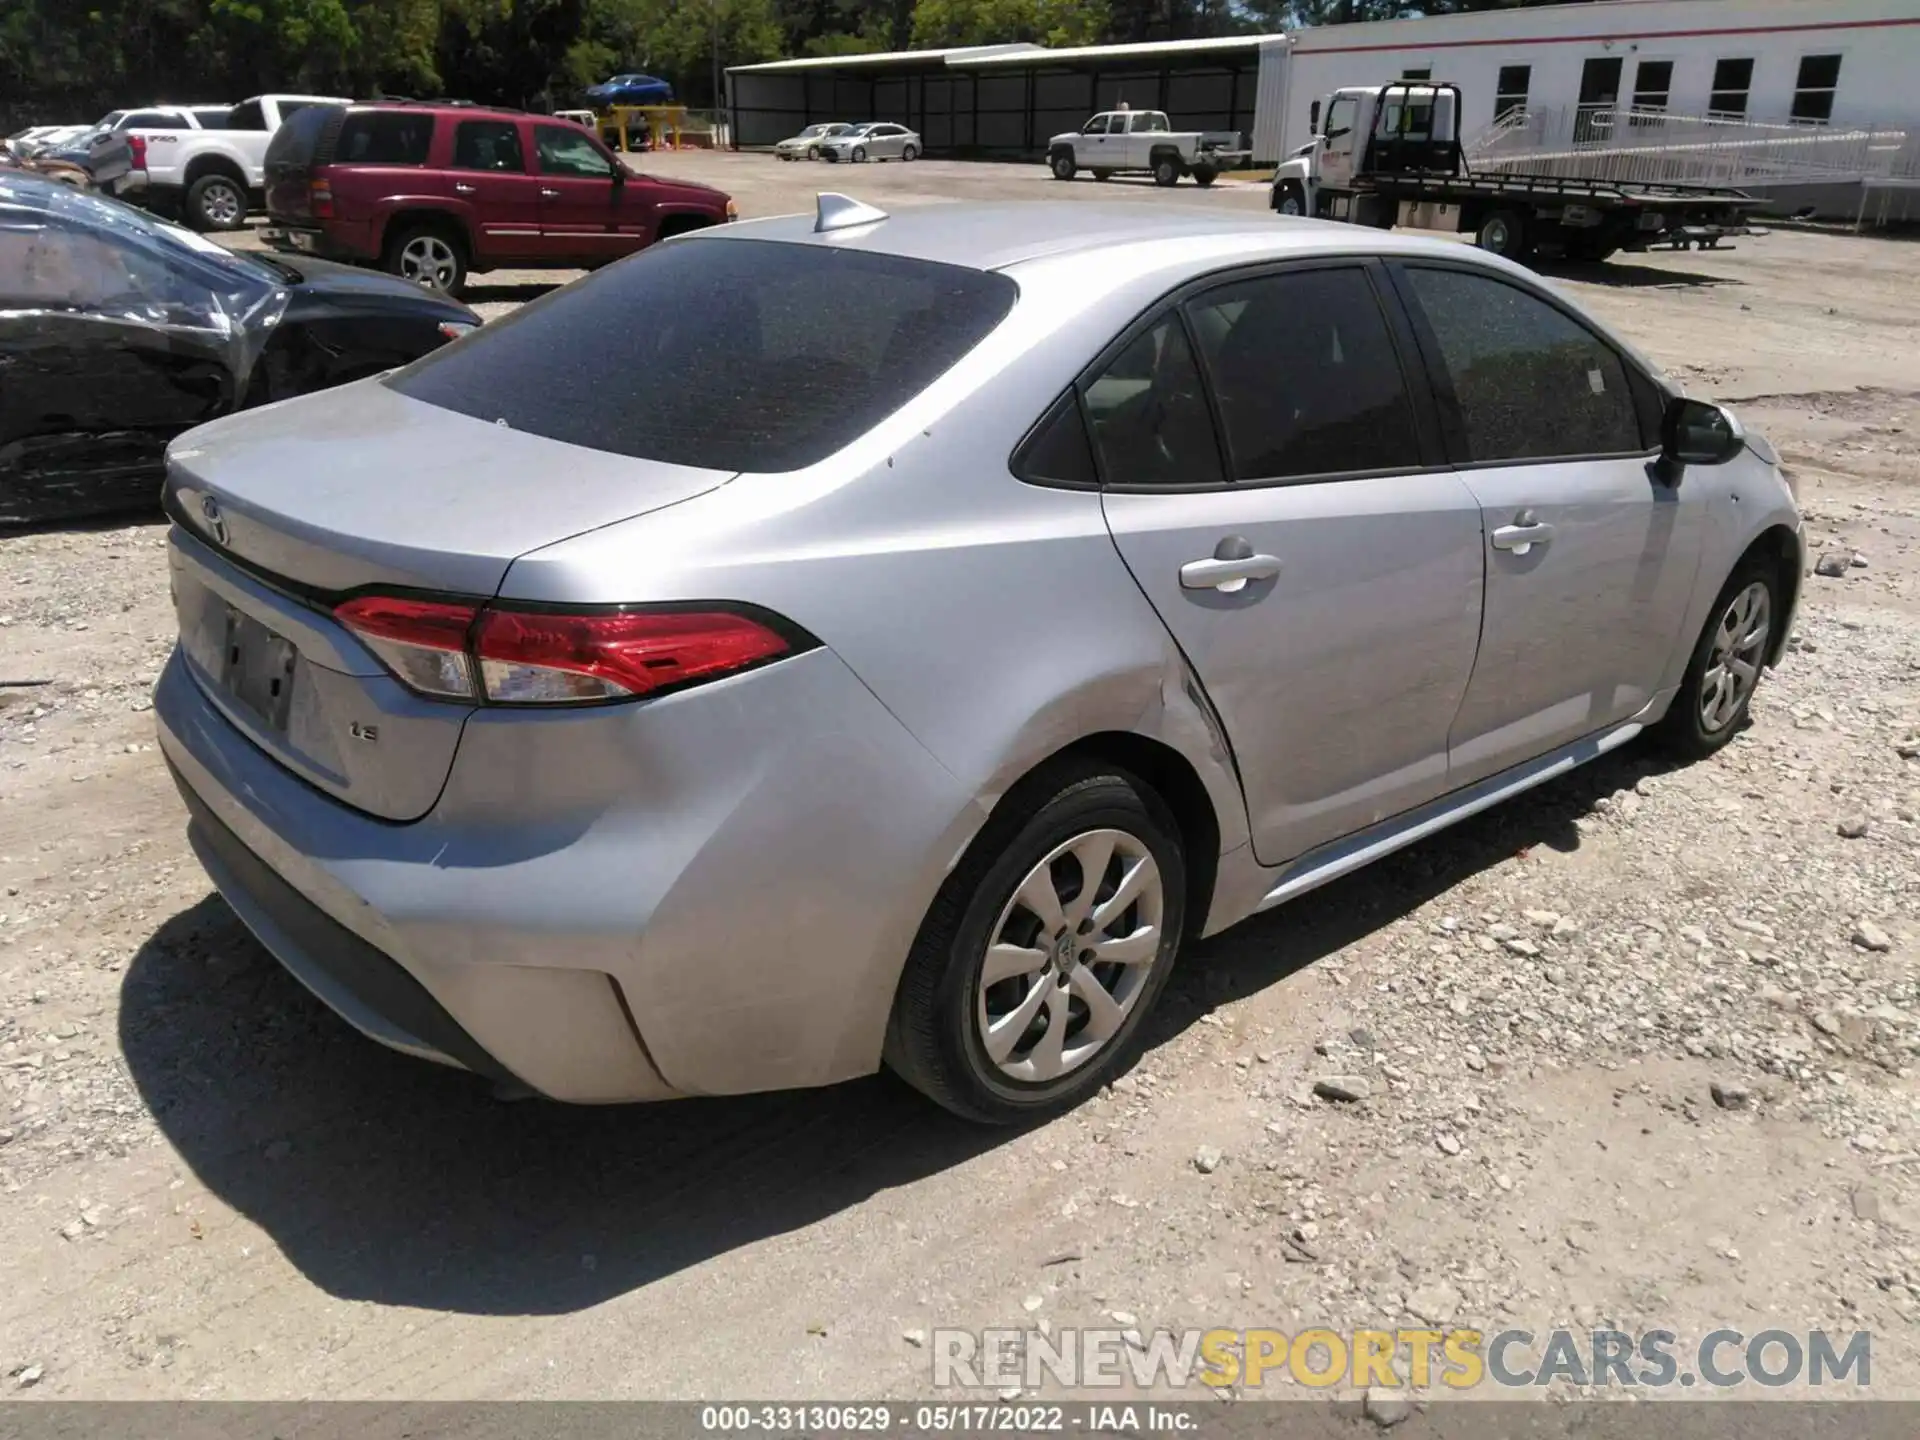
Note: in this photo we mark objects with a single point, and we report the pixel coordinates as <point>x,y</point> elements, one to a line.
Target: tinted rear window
<point>728,354</point>
<point>384,137</point>
<point>297,143</point>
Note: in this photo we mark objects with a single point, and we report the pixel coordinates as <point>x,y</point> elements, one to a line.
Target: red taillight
<point>137,147</point>
<point>424,642</point>
<point>320,199</point>
<point>450,650</point>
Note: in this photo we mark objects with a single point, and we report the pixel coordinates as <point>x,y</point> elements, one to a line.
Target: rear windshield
<point>727,354</point>
<point>296,143</point>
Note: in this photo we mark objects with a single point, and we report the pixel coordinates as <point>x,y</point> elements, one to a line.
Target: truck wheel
<point>1166,171</point>
<point>1204,175</point>
<point>216,202</point>
<point>1290,199</point>
<point>1503,233</point>
<point>1591,248</point>
<point>1063,166</point>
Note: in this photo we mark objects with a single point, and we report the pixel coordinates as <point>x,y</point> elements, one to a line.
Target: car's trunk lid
<point>283,511</point>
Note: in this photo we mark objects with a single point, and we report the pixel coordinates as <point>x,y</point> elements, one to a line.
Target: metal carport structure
<point>1006,100</point>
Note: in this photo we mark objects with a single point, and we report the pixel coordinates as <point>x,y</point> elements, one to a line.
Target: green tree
<point>1004,22</point>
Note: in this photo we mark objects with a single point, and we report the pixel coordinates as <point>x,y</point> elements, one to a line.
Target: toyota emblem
<point>216,522</point>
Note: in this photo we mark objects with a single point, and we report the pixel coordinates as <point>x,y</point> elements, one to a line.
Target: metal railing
<point>1627,146</point>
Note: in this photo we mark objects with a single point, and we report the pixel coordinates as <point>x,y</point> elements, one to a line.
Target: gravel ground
<point>1637,1048</point>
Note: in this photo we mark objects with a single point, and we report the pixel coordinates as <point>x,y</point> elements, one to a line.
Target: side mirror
<point>1692,432</point>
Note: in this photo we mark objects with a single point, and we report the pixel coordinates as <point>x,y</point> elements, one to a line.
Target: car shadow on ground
<point>483,292</point>
<point>1625,275</point>
<point>391,1180</point>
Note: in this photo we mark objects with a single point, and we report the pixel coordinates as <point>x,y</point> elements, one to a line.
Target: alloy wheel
<point>1733,663</point>
<point>221,204</point>
<point>428,261</point>
<point>1070,956</point>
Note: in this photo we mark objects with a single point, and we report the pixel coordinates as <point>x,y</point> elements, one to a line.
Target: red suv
<point>433,191</point>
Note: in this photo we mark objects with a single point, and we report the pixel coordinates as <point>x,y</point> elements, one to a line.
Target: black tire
<point>859,155</point>
<point>216,202</point>
<point>1204,175</point>
<point>1590,248</point>
<point>1166,171</point>
<point>1290,194</point>
<point>910,153</point>
<point>933,1038</point>
<point>1061,163</point>
<point>1503,233</point>
<point>1686,732</point>
<point>406,238</point>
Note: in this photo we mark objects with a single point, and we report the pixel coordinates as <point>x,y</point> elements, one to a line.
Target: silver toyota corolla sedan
<point>967,610</point>
<point>808,142</point>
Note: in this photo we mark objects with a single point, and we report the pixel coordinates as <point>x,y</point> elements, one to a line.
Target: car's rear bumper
<point>711,893</point>
<point>314,241</point>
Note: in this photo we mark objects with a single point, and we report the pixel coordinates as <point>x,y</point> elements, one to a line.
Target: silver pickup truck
<point>1142,140</point>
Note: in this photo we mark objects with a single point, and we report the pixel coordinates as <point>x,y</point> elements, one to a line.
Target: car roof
<point>994,236</point>
<point>463,109</point>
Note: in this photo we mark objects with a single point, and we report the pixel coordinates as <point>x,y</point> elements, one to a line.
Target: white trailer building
<point>1808,62</point>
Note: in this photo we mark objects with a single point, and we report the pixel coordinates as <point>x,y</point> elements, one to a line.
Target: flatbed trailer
<point>1409,171</point>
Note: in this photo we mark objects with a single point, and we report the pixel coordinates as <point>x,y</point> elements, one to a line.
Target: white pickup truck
<point>211,176</point>
<point>1142,140</point>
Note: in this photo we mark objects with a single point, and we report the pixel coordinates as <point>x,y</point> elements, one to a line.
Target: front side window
<point>488,145</point>
<point>1340,117</point>
<point>568,151</point>
<point>1096,126</point>
<point>1148,413</point>
<point>1306,376</point>
<point>723,354</point>
<point>1528,381</point>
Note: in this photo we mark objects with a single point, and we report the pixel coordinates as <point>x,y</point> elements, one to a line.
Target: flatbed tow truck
<point>1387,155</point>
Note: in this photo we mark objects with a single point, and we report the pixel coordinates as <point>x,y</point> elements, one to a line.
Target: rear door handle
<point>1523,534</point>
<point>1229,571</point>
<point>461,188</point>
<point>546,194</point>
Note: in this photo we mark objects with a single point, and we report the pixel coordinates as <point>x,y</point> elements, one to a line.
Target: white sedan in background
<point>875,140</point>
<point>808,142</point>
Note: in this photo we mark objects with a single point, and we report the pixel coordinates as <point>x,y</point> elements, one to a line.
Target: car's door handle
<point>461,188</point>
<point>1523,534</point>
<point>1232,565</point>
<point>546,194</point>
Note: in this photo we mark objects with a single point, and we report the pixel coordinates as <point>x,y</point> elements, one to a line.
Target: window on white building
<point>1652,84</point>
<point>1732,80</point>
<point>1510,92</point>
<point>1813,91</point>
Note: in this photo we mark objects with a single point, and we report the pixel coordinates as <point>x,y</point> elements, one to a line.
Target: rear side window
<point>384,137</point>
<point>488,145</point>
<point>1058,452</point>
<point>727,354</point>
<point>155,120</point>
<point>250,116</point>
<point>1148,413</point>
<point>215,119</point>
<point>1306,376</point>
<point>1528,381</point>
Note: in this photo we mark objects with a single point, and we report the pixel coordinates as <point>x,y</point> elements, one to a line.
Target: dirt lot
<point>215,1189</point>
